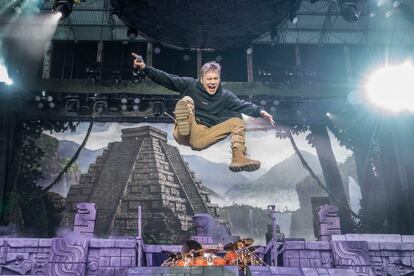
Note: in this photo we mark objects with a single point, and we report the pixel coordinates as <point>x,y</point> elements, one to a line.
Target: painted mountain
<point>215,176</point>
<point>86,157</point>
<point>277,186</point>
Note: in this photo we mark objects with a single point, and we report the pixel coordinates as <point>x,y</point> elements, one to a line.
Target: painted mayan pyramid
<point>141,170</point>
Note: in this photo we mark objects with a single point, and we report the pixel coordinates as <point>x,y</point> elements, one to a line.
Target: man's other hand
<point>138,61</point>
<point>267,117</point>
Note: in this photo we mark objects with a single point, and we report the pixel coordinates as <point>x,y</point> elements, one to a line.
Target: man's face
<point>211,81</point>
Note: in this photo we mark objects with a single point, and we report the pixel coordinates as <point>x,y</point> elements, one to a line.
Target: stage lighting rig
<point>44,99</point>
<point>64,7</point>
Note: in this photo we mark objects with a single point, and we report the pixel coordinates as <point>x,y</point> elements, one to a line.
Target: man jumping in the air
<point>208,113</point>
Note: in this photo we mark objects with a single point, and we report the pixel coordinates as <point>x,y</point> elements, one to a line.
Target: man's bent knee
<point>195,145</point>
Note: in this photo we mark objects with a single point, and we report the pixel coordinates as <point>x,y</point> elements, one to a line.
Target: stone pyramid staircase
<point>142,170</point>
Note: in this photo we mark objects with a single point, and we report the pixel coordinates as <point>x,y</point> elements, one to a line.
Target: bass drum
<point>199,261</point>
<point>231,257</point>
<point>218,261</point>
<point>214,260</point>
<point>184,262</point>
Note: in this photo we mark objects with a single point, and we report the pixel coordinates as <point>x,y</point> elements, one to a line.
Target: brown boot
<point>241,162</point>
<point>183,111</point>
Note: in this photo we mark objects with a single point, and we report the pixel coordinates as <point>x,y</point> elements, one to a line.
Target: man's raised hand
<point>267,117</point>
<point>138,61</point>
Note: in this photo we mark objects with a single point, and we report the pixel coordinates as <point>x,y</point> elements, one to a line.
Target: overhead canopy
<point>212,24</point>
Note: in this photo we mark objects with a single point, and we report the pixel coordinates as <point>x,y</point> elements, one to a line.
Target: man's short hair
<point>210,66</point>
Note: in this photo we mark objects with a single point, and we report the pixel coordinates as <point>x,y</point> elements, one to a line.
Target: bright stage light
<point>64,7</point>
<point>57,16</point>
<point>392,87</point>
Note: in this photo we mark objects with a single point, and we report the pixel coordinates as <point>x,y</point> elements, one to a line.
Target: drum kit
<point>239,253</point>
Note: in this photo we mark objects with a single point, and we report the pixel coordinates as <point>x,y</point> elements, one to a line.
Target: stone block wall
<point>367,254</point>
<point>67,256</point>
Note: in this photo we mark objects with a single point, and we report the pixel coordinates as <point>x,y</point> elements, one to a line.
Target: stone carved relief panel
<point>85,219</point>
<point>328,222</point>
<point>68,257</point>
<point>352,255</point>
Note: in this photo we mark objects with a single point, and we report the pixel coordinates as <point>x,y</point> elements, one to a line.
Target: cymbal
<point>238,244</point>
<point>212,250</point>
<point>229,246</point>
<point>247,241</point>
<point>253,248</point>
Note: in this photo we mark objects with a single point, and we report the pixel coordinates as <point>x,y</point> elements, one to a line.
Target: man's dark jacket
<point>209,109</point>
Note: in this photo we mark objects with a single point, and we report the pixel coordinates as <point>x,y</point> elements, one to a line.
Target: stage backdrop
<point>242,197</point>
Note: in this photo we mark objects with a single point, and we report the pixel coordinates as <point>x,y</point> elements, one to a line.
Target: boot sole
<point>182,113</point>
<point>246,168</point>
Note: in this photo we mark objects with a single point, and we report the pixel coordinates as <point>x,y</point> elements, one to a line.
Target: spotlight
<point>391,87</point>
<point>49,98</point>
<point>40,105</point>
<point>124,99</point>
<point>381,3</point>
<point>274,36</point>
<point>388,14</point>
<point>157,50</point>
<point>249,50</point>
<point>116,77</point>
<point>132,33</point>
<point>94,73</point>
<point>294,18</point>
<point>350,12</point>
<point>100,107</point>
<point>64,7</point>
<point>115,15</point>
<point>186,57</point>
<point>36,10</point>
<point>157,108</point>
<point>124,102</point>
<point>72,105</point>
<point>52,104</point>
<point>37,98</point>
<point>135,106</point>
<point>263,102</point>
<point>17,9</point>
